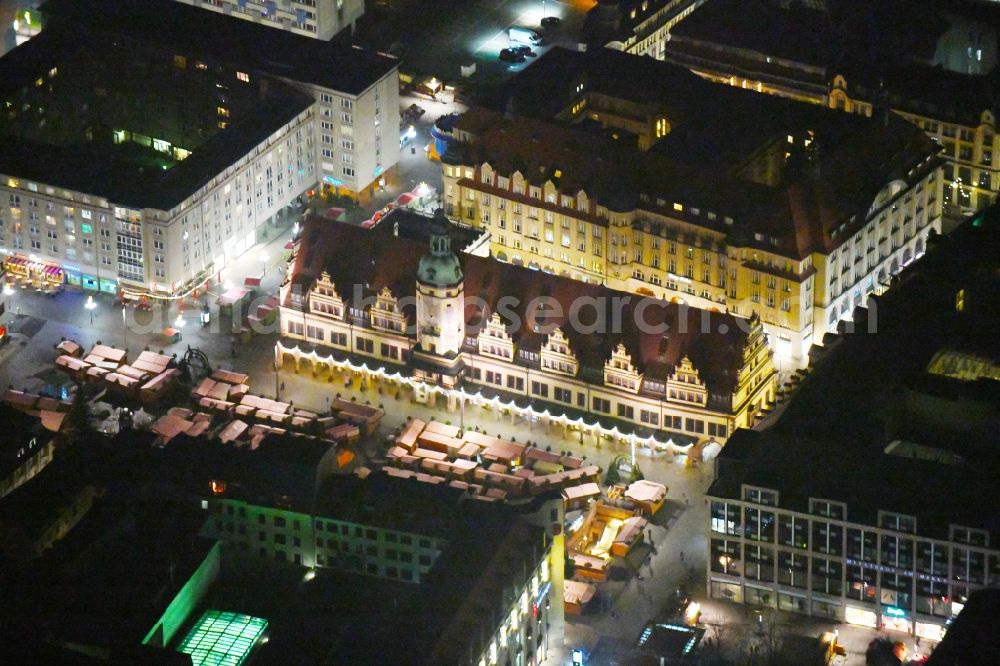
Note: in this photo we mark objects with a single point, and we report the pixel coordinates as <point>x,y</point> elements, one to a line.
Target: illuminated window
<point>678,207</point>
<point>180,62</point>
<point>86,228</point>
<point>243,76</point>
<point>960,301</point>
<point>222,638</point>
<point>222,111</point>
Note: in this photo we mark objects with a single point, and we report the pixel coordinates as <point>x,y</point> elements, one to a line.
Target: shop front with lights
<point>861,617</point>
<point>929,630</point>
<point>94,283</point>
<point>33,272</point>
<point>895,619</point>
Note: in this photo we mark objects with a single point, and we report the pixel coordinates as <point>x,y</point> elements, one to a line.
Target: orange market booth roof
<point>647,494</point>
<point>582,491</point>
<point>232,296</point>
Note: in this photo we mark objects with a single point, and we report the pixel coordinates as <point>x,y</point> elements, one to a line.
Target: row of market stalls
<point>488,468</point>
<point>603,527</point>
<point>224,409</point>
<point>145,379</point>
<point>416,199</point>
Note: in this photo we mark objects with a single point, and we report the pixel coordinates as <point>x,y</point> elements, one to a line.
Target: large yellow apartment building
<point>797,219</point>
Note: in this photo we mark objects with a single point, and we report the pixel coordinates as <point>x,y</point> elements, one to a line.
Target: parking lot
<point>436,38</point>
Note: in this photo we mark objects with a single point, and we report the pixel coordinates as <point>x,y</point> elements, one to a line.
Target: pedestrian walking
<point>682,556</point>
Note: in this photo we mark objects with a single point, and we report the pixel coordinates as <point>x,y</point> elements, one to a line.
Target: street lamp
<point>7,290</point>
<point>90,305</point>
<point>179,322</point>
<point>263,260</point>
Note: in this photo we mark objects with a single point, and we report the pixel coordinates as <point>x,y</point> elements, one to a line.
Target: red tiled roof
<point>361,262</point>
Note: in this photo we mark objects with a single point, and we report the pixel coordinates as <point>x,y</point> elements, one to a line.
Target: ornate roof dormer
<point>439,267</point>
<point>685,385</point>
<point>323,298</point>
<point>556,355</point>
<point>619,371</point>
<point>494,340</point>
<point>385,314</point>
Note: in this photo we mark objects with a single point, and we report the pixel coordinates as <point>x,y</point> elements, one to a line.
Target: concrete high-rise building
<point>146,159</point>
<point>321,19</point>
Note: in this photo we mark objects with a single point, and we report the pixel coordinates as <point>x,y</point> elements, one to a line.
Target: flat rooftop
<point>193,32</point>
<point>889,42</point>
<point>126,120</point>
<point>355,619</point>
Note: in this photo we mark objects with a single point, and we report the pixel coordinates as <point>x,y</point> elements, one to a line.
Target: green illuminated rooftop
<point>221,638</point>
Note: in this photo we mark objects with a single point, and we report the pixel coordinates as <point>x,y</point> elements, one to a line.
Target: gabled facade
<point>709,374</point>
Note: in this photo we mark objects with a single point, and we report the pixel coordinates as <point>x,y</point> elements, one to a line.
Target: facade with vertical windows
<point>690,201</point>
<point>454,555</point>
<point>820,560</point>
<point>321,19</point>
<point>639,27</point>
<point>871,498</point>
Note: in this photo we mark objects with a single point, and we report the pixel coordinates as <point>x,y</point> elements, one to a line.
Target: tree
<point>882,652</point>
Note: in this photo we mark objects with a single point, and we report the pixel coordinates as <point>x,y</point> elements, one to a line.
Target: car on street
<point>414,111</point>
<point>551,22</point>
<point>511,55</point>
<point>524,50</point>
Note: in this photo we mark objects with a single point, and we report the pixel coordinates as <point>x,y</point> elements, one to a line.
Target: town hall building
<point>472,330</point>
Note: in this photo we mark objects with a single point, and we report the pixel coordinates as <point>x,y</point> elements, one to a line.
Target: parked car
<point>551,22</point>
<point>510,55</point>
<point>524,50</point>
<point>520,35</point>
<point>416,111</point>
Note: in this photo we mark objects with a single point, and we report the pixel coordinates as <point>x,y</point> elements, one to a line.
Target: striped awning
<point>16,260</point>
<point>43,267</point>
